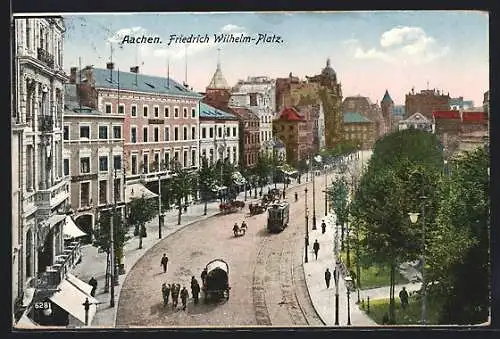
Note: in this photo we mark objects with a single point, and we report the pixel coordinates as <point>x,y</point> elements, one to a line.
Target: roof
<point>207,111</point>
<point>290,114</point>
<point>328,71</point>
<point>144,83</point>
<point>244,113</point>
<point>387,97</point>
<point>71,104</point>
<point>218,81</point>
<point>353,117</point>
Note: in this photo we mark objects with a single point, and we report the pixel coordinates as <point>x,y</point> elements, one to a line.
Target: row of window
<point>86,192</point>
<point>266,118</point>
<point>227,133</point>
<point>103,132</point>
<point>147,166</point>
<point>166,135</point>
<point>85,164</point>
<point>265,135</point>
<point>108,108</point>
<point>355,127</point>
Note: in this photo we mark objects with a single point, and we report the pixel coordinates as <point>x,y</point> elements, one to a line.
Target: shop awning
<point>71,299</point>
<point>70,230</point>
<point>86,288</point>
<point>137,190</point>
<point>55,219</point>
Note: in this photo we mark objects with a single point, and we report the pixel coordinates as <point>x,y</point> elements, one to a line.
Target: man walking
<point>328,276</point>
<point>403,296</point>
<point>323,226</point>
<point>165,289</point>
<point>184,296</point>
<point>195,289</point>
<point>93,283</point>
<point>164,262</point>
<point>316,248</point>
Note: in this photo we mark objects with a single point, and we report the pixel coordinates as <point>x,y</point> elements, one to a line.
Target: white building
<point>219,135</point>
<point>416,121</point>
<point>259,95</point>
<point>40,190</point>
<point>321,128</point>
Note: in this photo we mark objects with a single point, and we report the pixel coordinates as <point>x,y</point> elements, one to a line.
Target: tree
<point>206,182</point>
<point>459,258</point>
<point>102,236</point>
<point>141,211</point>
<point>182,186</point>
<point>404,166</point>
<point>263,168</point>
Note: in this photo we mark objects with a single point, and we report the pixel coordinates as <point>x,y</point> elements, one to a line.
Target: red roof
<point>291,114</point>
<point>446,114</point>
<point>474,116</point>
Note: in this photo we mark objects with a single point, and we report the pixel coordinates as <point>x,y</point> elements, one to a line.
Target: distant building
<point>460,104</point>
<point>426,102</point>
<point>219,135</point>
<point>365,107</point>
<point>486,103</point>
<point>279,149</point>
<point>398,114</point>
<point>359,130</point>
<point>291,128</point>
<point>249,136</point>
<point>416,121</point>
<point>387,106</point>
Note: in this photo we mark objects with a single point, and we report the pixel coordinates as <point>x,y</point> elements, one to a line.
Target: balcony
<point>64,263</point>
<point>45,123</point>
<point>52,197</point>
<point>45,57</point>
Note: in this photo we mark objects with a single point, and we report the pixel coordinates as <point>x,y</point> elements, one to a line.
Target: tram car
<point>278,216</point>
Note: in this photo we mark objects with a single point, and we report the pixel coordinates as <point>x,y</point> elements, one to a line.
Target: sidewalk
<point>94,264</point>
<point>323,299</point>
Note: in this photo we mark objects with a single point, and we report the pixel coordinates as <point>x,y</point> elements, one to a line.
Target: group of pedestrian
<point>175,291</point>
<point>328,277</point>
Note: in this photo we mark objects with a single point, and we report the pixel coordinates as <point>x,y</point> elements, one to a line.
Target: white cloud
<point>230,28</point>
<point>407,44</point>
<point>117,37</point>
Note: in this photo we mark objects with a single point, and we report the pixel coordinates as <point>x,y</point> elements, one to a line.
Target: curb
<point>309,295</point>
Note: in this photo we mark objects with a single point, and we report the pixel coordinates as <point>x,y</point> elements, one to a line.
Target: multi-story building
<point>416,121</point>
<point>312,115</point>
<point>93,156</point>
<point>258,94</point>
<point>359,130</point>
<point>40,189</point>
<point>368,109</point>
<point>160,119</point>
<point>291,128</point>
<point>323,88</point>
<point>219,135</point>
<point>398,114</point>
<point>426,102</point>
<point>249,132</point>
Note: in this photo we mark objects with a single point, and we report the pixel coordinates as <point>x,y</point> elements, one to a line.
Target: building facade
<point>93,158</point>
<point>426,102</point>
<point>368,109</point>
<point>249,132</point>
<point>292,130</point>
<point>160,118</point>
<point>416,121</point>
<point>40,188</point>
<point>219,135</point>
<point>359,130</point>
<point>258,94</point>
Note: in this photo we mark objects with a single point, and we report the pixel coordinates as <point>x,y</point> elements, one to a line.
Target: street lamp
<point>326,193</point>
<point>160,215</point>
<point>314,201</point>
<point>336,277</point>
<point>414,219</point>
<point>307,227</point>
<point>348,281</point>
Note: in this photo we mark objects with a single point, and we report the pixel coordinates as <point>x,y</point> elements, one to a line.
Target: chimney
<point>110,65</point>
<point>134,69</point>
<point>72,75</point>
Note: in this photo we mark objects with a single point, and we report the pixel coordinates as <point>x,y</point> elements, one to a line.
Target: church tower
<point>387,106</point>
<point>218,92</point>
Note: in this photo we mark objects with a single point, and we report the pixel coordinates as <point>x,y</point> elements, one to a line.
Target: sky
<point>369,51</point>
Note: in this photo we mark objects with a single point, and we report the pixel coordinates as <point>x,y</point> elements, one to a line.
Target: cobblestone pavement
<point>265,274</point>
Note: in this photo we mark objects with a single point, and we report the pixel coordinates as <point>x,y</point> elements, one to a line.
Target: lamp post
<point>326,192</point>
<point>336,277</point>
<point>160,215</point>
<point>347,244</point>
<point>348,306</point>
<point>307,227</point>
<point>414,219</point>
<point>314,201</point>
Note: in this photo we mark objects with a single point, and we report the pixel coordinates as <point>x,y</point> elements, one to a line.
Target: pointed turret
<point>218,81</point>
<point>387,98</point>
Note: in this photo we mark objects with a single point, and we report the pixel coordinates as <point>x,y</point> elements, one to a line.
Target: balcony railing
<point>45,57</point>
<point>64,263</point>
<point>53,196</point>
<point>45,123</point>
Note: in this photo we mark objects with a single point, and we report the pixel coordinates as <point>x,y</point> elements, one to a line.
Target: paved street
<point>267,283</point>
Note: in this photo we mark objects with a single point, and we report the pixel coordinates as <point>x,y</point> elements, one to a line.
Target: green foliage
<point>102,233</point>
<point>206,180</point>
<point>182,183</point>
<point>264,167</point>
<point>227,169</point>
<point>339,192</point>
<point>409,316</point>
<point>141,211</point>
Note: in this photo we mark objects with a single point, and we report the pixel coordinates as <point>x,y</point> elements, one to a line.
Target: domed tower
<point>328,75</point>
<point>218,92</point>
<point>387,106</point>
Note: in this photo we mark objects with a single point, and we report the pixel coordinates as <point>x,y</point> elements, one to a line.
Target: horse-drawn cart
<point>256,209</point>
<point>216,282</point>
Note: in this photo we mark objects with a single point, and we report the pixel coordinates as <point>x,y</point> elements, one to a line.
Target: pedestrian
<point>323,226</point>
<point>328,276</point>
<point>165,290</point>
<point>335,276</point>
<point>175,295</point>
<point>195,289</point>
<point>164,262</point>
<point>403,296</point>
<point>184,296</point>
<point>316,248</point>
<point>93,283</point>
<point>204,276</point>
